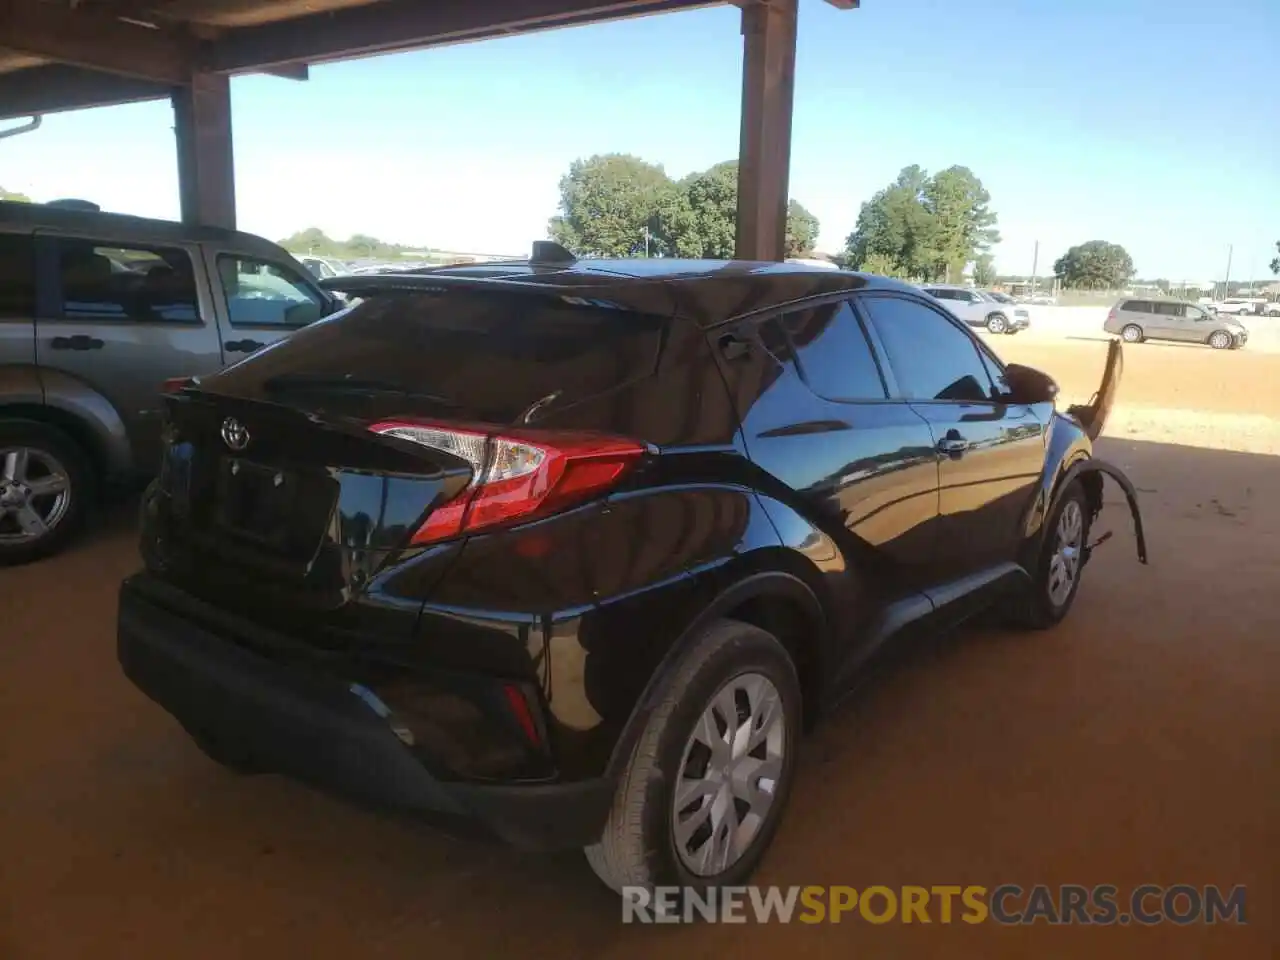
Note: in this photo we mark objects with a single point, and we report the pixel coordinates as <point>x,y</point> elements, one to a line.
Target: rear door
<point>823,424</point>
<point>17,314</point>
<point>122,318</point>
<point>990,452</point>
<point>260,300</point>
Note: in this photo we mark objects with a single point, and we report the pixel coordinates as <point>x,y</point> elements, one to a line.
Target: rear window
<point>493,353</point>
<point>17,276</point>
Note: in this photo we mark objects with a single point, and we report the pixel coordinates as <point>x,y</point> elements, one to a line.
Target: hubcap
<point>1131,334</point>
<point>1064,565</point>
<point>996,325</point>
<point>1220,340</point>
<point>729,775</point>
<point>35,492</point>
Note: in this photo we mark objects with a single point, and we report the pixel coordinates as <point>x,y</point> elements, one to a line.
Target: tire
<point>1221,340</point>
<point>1042,606</point>
<point>640,845</point>
<point>224,752</point>
<point>40,456</point>
<point>997,324</point>
<point>1132,333</point>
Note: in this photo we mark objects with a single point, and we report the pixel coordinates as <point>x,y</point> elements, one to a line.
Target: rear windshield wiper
<point>346,383</point>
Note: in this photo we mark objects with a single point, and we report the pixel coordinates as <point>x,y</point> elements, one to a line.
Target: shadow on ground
<point>1133,744</point>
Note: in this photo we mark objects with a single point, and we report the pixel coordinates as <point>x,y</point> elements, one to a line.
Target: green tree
<point>1275,264</point>
<point>984,270</point>
<point>310,240</point>
<point>13,197</point>
<point>1096,265</point>
<point>961,211</point>
<point>607,204</point>
<point>802,230</point>
<point>924,226</point>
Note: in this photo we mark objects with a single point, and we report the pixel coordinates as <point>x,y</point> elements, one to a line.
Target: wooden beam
<point>397,25</point>
<point>764,147</point>
<point>95,41</point>
<point>55,87</point>
<point>206,161</point>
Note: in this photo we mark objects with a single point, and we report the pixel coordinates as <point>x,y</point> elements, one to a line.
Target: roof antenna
<point>546,251</point>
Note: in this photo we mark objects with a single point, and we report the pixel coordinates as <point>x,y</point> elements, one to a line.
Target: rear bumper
<point>314,728</point>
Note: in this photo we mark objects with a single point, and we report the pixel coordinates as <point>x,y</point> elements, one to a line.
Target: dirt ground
<point>1136,743</point>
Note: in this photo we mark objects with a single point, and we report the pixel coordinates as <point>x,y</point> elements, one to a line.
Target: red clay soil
<point>1134,744</point>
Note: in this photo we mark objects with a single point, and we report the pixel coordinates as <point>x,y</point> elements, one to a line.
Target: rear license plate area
<point>255,502</point>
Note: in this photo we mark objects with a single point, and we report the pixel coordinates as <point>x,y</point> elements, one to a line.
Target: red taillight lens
<point>177,384</point>
<point>515,474</point>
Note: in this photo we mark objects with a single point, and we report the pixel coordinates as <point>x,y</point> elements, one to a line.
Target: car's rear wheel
<point>1132,333</point>
<point>997,324</point>
<point>1055,580</point>
<point>710,775</point>
<point>45,488</point>
<point>1220,340</point>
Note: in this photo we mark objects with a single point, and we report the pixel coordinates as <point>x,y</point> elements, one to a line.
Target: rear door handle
<point>953,445</point>
<point>79,342</point>
<point>242,346</point>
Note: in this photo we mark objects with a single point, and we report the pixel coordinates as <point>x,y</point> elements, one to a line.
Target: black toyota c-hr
<point>572,551</point>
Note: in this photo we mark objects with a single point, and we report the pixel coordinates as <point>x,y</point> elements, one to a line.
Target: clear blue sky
<point>1151,123</point>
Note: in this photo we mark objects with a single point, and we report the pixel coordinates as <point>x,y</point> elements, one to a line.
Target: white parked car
<point>1239,305</point>
<point>977,308</point>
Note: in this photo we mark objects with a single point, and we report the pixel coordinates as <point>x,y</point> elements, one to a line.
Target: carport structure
<point>68,54</point>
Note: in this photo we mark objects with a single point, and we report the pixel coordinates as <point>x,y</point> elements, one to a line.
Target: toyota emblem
<point>234,434</point>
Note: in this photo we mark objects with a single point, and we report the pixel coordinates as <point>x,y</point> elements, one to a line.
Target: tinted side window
<point>1136,306</point>
<point>128,284</point>
<point>262,294</point>
<point>833,353</point>
<point>942,294</point>
<point>932,358</point>
<point>17,276</point>
<point>1166,309</point>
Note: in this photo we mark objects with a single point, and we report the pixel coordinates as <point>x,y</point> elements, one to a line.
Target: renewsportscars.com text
<point>1006,904</point>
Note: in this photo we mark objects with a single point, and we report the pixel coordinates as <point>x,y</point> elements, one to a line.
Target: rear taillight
<point>1111,315</point>
<point>516,475</point>
<point>177,384</point>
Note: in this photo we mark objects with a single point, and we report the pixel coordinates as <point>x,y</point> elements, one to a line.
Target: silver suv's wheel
<point>1221,340</point>
<point>43,485</point>
<point>997,323</point>
<point>709,777</point>
<point>1132,333</point>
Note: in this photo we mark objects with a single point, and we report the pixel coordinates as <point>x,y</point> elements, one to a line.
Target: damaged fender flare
<point>1094,465</point>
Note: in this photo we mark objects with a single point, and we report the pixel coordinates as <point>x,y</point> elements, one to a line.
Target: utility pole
<point>646,241</point>
<point>1226,283</point>
<point>1035,265</point>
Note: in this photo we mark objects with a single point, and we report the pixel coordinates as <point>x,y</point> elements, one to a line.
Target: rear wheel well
<point>798,630</point>
<point>75,429</point>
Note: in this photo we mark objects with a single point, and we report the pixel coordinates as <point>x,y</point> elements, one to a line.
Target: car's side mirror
<point>1029,385</point>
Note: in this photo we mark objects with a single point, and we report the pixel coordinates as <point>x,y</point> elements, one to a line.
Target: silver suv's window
<point>130,284</point>
<point>262,294</point>
<point>17,276</point>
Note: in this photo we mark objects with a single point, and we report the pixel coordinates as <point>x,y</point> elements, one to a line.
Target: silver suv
<point>977,308</point>
<point>97,313</point>
<point>1138,320</point>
